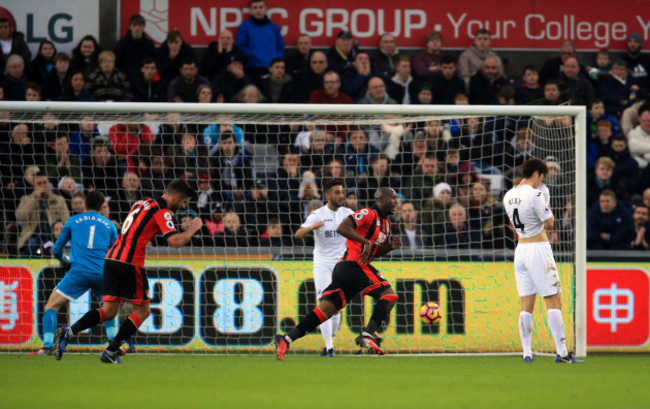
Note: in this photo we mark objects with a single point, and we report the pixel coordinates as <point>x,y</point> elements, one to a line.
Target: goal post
<point>231,296</point>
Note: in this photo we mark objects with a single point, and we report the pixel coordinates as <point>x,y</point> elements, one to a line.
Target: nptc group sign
<point>525,24</point>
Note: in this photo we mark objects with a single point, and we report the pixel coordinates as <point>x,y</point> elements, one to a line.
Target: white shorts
<point>535,270</point>
<point>322,278</point>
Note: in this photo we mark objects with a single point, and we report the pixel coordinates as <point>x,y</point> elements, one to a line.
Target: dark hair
<point>137,20</point>
<point>99,143</point>
<point>174,35</point>
<point>401,57</point>
<point>608,192</point>
<point>94,200</point>
<point>60,57</point>
<point>188,61</point>
<point>619,137</point>
<point>79,194</point>
<point>533,165</point>
<point>179,186</point>
<point>35,86</point>
<point>448,59</point>
<point>594,102</point>
<point>376,158</point>
<point>432,36</point>
<point>273,61</point>
<point>330,183</point>
<point>40,46</point>
<point>645,107</point>
<point>4,20</point>
<point>227,135</point>
<point>507,92</point>
<point>528,68</point>
<point>482,31</point>
<point>552,82</point>
<point>76,52</point>
<point>619,62</point>
<point>147,60</point>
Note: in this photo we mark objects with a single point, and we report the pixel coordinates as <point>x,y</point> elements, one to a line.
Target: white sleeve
<point>541,208</point>
<point>312,219</point>
<point>545,193</point>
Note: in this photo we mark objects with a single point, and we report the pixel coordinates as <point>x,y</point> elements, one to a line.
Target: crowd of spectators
<point>441,169</point>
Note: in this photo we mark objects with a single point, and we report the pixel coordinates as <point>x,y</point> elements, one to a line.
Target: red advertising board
<point>617,307</point>
<point>530,24</point>
<point>16,305</point>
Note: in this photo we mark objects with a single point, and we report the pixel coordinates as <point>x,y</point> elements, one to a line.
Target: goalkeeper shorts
<point>75,284</point>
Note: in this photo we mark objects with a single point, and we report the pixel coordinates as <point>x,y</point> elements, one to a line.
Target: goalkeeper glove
<point>65,264</point>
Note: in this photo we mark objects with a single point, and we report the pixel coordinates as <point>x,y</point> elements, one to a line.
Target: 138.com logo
<point>617,307</point>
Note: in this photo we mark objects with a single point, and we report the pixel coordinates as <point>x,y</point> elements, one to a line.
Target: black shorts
<point>352,277</point>
<point>123,281</point>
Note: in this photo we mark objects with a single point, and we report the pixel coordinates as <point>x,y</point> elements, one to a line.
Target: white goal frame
<point>577,112</point>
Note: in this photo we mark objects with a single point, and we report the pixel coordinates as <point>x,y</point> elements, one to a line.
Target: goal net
<point>258,171</point>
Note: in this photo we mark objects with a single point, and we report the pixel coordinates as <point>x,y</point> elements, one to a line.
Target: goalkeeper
<point>92,235</point>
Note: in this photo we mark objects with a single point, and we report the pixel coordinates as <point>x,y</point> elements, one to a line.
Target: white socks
<point>329,328</point>
<point>336,323</point>
<point>556,324</point>
<point>526,332</point>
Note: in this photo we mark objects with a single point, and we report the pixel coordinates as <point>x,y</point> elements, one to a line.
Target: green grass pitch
<point>197,381</point>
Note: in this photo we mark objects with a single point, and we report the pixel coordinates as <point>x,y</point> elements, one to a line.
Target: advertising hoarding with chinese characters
<point>211,305</point>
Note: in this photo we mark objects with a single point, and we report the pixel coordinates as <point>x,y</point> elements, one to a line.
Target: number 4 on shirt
<point>516,221</point>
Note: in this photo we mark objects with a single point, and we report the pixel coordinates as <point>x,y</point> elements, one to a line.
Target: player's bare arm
<point>180,239</point>
<point>303,231</point>
<point>346,229</point>
<point>549,224</point>
<point>394,244</point>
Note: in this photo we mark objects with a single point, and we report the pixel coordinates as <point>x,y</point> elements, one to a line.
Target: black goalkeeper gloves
<point>65,264</point>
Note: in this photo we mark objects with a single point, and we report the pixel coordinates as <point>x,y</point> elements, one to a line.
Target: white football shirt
<point>527,210</point>
<point>329,246</point>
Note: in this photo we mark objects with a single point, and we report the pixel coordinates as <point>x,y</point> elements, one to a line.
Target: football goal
<point>258,171</point>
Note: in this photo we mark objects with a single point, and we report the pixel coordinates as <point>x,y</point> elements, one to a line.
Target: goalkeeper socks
<point>111,329</point>
<point>556,324</point>
<point>308,324</point>
<point>526,332</point>
<point>128,328</point>
<point>90,319</point>
<point>49,326</point>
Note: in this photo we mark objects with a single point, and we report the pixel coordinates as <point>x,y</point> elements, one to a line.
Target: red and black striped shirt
<point>369,224</point>
<point>146,218</point>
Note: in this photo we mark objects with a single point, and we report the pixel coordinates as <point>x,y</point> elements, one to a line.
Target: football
<point>430,313</point>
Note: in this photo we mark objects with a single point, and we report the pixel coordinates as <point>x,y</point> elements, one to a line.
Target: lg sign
<point>617,307</point>
<point>60,21</point>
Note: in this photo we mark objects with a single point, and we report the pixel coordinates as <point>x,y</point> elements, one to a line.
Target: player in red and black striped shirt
<point>368,234</point>
<point>124,274</point>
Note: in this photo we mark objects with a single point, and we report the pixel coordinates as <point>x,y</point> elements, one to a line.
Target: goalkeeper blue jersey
<point>92,235</point>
